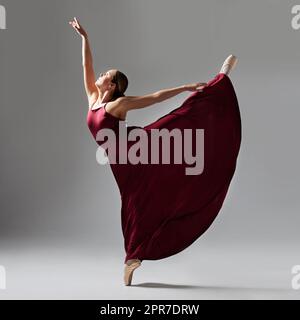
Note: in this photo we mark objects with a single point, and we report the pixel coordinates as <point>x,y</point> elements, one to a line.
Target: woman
<point>164,210</point>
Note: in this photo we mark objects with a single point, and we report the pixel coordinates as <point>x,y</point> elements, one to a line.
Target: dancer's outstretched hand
<point>75,24</point>
<point>198,86</point>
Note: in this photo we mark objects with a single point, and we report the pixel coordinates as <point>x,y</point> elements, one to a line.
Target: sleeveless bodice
<point>99,118</point>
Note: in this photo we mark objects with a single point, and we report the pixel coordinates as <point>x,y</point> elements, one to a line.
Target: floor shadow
<point>207,287</point>
<point>164,285</point>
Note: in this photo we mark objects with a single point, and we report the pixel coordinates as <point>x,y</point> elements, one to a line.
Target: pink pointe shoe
<point>229,64</point>
<point>130,266</point>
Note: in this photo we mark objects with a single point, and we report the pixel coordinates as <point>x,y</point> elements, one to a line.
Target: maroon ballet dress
<point>164,210</point>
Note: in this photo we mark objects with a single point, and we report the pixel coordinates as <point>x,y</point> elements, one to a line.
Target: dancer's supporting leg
<point>130,266</point>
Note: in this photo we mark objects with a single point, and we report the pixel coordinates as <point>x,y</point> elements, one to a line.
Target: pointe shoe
<point>130,266</point>
<point>229,64</point>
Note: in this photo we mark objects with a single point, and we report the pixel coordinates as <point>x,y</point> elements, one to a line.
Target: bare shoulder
<point>117,107</point>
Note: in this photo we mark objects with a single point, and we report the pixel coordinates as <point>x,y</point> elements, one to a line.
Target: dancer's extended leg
<point>229,64</point>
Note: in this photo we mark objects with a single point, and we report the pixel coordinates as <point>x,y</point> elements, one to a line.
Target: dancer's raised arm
<point>87,63</point>
<point>136,102</point>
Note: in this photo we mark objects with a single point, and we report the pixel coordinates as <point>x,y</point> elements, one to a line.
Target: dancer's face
<point>104,81</point>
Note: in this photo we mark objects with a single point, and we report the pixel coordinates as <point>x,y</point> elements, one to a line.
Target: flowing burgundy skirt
<point>164,210</point>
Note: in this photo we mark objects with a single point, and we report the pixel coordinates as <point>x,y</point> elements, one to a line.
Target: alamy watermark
<point>295,22</point>
<point>296,277</point>
<point>2,17</point>
<point>147,145</point>
<point>2,278</point>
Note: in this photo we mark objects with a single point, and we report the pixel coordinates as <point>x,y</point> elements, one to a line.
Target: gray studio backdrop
<point>53,189</point>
